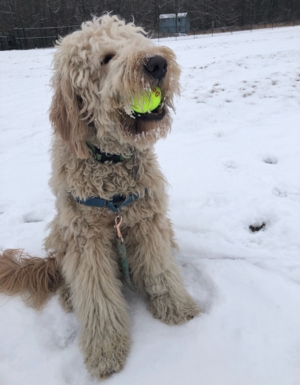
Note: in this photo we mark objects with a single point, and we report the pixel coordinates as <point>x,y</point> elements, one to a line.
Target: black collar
<point>102,156</point>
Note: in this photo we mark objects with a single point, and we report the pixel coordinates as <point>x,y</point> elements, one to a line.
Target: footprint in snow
<point>229,164</point>
<point>270,160</point>
<point>32,218</point>
<point>279,192</point>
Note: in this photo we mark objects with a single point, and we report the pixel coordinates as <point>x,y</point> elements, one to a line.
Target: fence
<point>233,28</point>
<point>29,38</point>
<point>43,37</point>
<point>5,43</point>
<point>248,27</point>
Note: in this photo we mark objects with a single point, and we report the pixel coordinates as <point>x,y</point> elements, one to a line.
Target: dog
<point>109,190</point>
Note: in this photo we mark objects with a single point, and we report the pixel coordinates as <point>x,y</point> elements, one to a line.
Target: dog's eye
<point>108,58</point>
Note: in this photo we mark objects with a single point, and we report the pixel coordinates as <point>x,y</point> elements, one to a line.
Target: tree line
<point>203,14</point>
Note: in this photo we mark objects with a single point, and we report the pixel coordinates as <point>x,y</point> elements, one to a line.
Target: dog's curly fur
<point>97,72</point>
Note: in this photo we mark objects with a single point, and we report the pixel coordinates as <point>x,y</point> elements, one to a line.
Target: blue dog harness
<point>115,204</point>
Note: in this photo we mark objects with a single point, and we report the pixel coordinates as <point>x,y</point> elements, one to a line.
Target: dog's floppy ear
<point>66,120</point>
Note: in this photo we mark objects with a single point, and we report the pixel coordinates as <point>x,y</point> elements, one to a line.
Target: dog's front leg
<point>156,273</point>
<point>91,274</point>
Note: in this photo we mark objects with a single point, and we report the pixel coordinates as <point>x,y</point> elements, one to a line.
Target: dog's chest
<point>96,179</point>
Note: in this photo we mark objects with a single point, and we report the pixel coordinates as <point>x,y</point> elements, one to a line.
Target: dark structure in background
<point>38,23</point>
<point>29,38</point>
<point>171,23</point>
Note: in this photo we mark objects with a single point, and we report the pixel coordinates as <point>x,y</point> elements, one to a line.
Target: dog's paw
<point>107,358</point>
<point>173,311</point>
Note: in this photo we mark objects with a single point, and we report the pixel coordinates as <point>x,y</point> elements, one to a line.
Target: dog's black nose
<point>156,66</point>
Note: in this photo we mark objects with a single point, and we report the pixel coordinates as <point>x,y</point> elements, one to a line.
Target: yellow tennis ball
<point>147,101</point>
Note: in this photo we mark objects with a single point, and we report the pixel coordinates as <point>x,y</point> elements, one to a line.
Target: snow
<point>232,161</point>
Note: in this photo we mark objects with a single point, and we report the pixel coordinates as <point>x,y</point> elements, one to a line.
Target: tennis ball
<point>147,101</point>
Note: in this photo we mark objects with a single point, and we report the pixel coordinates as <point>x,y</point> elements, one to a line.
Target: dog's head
<point>98,71</point>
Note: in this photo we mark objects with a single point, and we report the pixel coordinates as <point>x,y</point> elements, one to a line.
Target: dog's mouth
<point>149,126</point>
<point>156,114</point>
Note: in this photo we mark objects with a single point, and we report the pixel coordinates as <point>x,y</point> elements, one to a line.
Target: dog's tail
<point>34,278</point>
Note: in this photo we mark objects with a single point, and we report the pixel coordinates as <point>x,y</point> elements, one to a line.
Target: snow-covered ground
<point>233,161</point>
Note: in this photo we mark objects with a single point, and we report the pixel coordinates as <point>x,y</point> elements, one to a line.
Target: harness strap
<point>103,156</point>
<point>115,204</point>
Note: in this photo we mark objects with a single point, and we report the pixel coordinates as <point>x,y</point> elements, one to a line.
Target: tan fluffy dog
<point>97,72</point>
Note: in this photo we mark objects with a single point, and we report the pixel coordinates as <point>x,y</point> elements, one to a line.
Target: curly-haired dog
<point>103,152</point>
